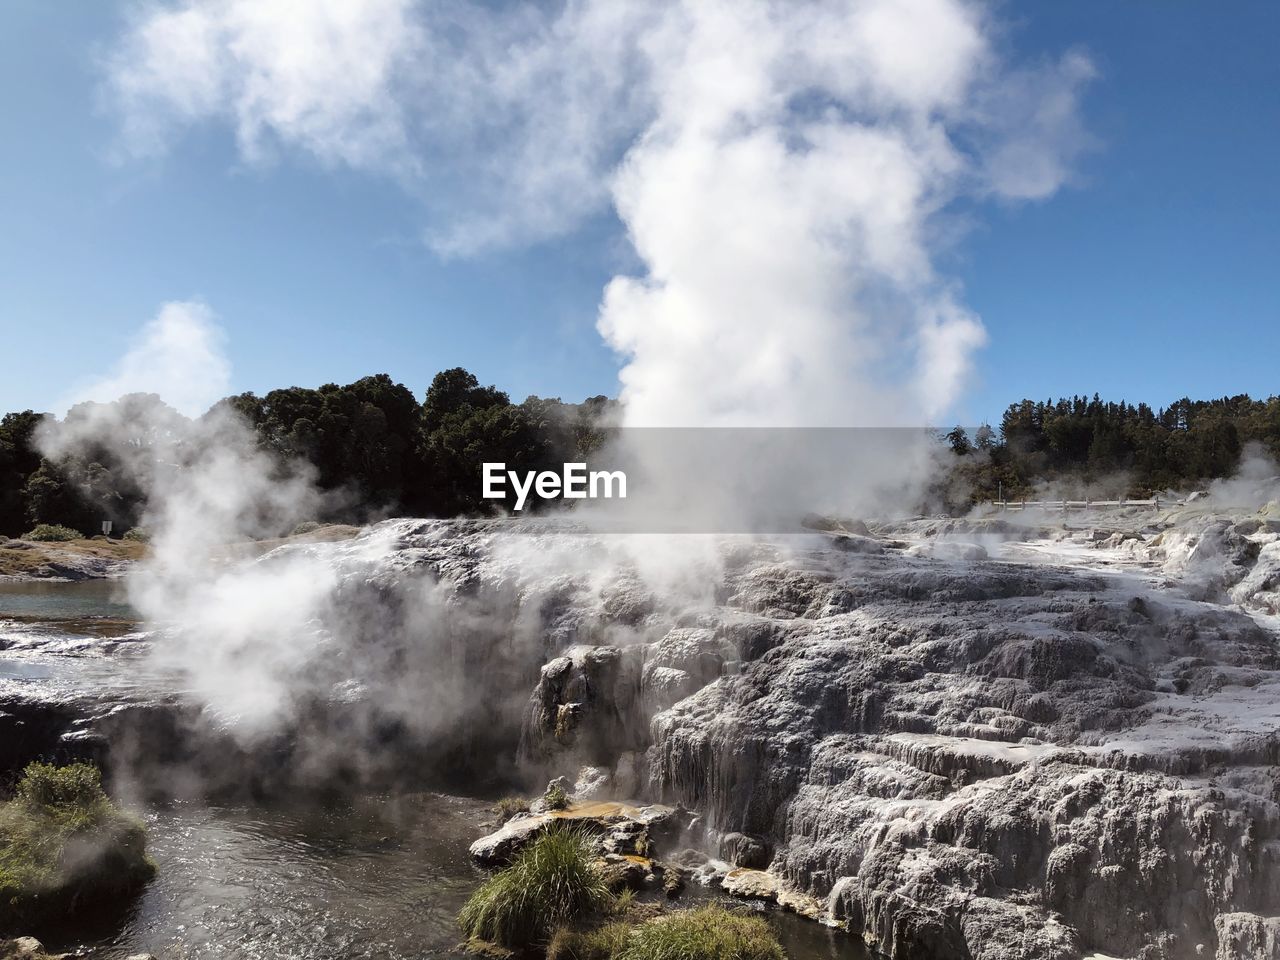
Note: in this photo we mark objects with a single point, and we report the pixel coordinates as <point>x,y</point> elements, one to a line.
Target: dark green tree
<point>959,442</point>
<point>49,497</point>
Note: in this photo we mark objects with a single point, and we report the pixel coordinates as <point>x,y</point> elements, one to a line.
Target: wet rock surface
<point>959,756</point>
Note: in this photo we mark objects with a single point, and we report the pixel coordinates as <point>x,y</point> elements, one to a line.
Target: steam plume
<point>208,488</point>
<point>177,355</point>
<point>780,167</point>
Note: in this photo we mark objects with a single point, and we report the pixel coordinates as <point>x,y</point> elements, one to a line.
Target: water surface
<point>61,641</point>
<point>378,877</point>
<point>59,601</point>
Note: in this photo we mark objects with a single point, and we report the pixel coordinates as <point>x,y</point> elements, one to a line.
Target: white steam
<point>780,201</point>
<point>779,167</point>
<point>178,355</point>
<point>209,489</point>
<point>1254,485</point>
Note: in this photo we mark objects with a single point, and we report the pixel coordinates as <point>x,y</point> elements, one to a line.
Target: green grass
<point>707,933</point>
<point>603,938</point>
<point>599,943</point>
<point>52,533</point>
<point>552,883</point>
<point>64,845</point>
<point>623,902</point>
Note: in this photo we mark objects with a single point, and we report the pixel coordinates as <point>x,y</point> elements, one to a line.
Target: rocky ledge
<point>954,754</point>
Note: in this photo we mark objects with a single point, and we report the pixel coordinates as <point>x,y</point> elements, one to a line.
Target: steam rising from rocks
<point>782,171</point>
<point>1254,485</point>
<point>209,488</point>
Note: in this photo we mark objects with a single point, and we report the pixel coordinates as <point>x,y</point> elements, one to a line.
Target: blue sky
<point>1150,277</point>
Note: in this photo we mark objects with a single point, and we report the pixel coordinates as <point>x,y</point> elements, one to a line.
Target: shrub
<point>707,933</point>
<point>555,798</point>
<point>138,535</point>
<point>307,526</point>
<point>552,883</point>
<point>52,533</point>
<point>63,843</point>
<point>73,789</point>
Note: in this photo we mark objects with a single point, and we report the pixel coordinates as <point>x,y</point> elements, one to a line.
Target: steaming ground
<point>965,738</point>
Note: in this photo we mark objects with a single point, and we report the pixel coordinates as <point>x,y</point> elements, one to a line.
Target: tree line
<point>1115,448</point>
<point>380,451</point>
<point>372,444</point>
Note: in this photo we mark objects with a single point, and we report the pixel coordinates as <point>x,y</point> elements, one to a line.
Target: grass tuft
<point>552,883</point>
<point>599,943</point>
<point>623,902</point>
<point>707,933</point>
<point>508,807</point>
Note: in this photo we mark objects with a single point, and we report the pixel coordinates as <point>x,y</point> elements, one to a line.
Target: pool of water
<point>377,877</point>
<point>60,601</point>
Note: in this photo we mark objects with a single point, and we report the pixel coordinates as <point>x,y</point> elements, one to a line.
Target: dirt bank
<point>100,558</point>
<point>74,560</point>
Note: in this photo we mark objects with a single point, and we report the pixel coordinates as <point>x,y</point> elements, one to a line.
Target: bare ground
<point>100,558</point>
<point>75,560</point>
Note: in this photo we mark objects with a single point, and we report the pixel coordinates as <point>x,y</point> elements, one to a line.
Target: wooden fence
<point>1065,505</point>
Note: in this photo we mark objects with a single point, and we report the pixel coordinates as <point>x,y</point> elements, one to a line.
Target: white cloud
<point>503,123</point>
<point>778,164</point>
<point>178,355</point>
<point>318,77</point>
<point>1033,119</point>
